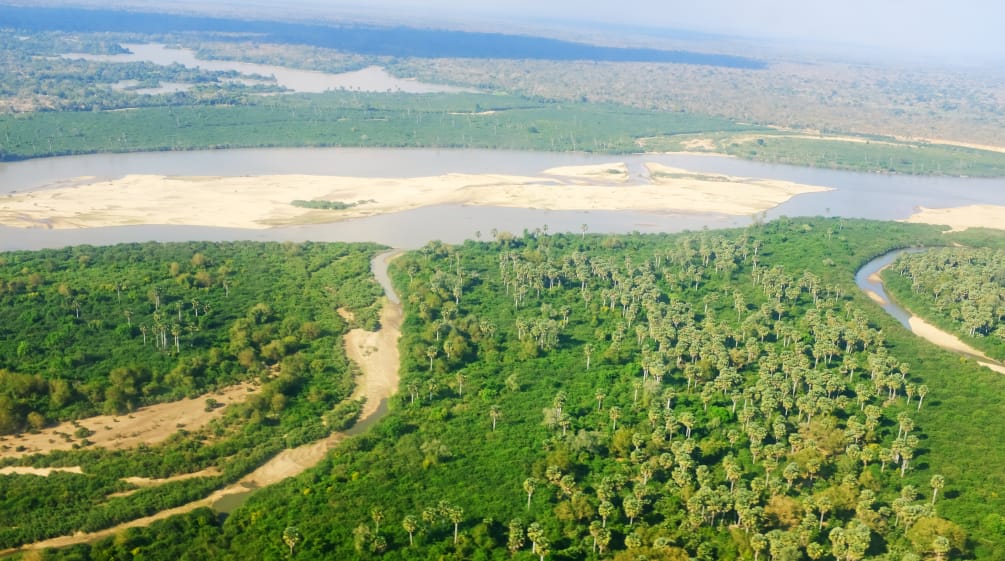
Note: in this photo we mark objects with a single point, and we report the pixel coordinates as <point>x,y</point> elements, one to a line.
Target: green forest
<point>88,330</point>
<point>705,395</point>
<point>961,289</point>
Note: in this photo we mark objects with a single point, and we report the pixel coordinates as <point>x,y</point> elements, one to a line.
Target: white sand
<point>962,217</point>
<point>264,201</point>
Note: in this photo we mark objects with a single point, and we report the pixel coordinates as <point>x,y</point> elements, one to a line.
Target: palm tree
<point>515,539</point>
<point>377,514</point>
<point>633,508</point>
<point>410,524</point>
<point>758,543</point>
<point>600,395</point>
<point>615,414</point>
<point>291,537</point>
<point>605,510</point>
<point>456,515</point>
<point>922,392</point>
<point>529,485</point>
<point>937,483</point>
<point>495,413</point>
<point>431,353</point>
<point>536,534</point>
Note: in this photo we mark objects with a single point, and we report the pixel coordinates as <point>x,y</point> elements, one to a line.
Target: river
<point>869,281</point>
<point>854,195</point>
<point>370,79</point>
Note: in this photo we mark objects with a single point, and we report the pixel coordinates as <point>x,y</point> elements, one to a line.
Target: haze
<point>963,31</point>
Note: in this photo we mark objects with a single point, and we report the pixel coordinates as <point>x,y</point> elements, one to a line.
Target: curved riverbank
<point>869,280</point>
<point>376,354</point>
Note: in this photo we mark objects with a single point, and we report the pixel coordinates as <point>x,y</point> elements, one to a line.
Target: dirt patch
<point>704,144</point>
<point>346,314</point>
<point>147,425</point>
<point>41,472</point>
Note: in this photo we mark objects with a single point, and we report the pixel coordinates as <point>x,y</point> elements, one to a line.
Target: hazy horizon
<point>963,31</point>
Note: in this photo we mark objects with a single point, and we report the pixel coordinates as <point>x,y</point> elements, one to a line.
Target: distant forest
<point>369,40</point>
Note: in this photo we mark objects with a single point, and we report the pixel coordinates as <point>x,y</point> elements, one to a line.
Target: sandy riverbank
<point>147,425</point>
<point>962,217</point>
<point>933,334</point>
<point>265,201</point>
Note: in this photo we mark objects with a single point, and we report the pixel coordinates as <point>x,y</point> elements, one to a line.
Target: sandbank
<point>147,425</point>
<point>616,172</point>
<point>265,201</point>
<point>962,217</point>
<point>925,330</point>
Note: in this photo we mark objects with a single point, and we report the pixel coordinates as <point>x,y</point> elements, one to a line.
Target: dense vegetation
<point>865,154</point>
<point>723,395</point>
<point>962,289</point>
<point>87,330</point>
<point>349,119</point>
<point>109,329</point>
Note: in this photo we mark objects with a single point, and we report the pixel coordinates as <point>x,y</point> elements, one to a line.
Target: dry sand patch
<point>147,425</point>
<point>962,217</point>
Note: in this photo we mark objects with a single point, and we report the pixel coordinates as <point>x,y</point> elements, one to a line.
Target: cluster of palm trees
<point>763,399</point>
<point>966,284</point>
<point>809,381</point>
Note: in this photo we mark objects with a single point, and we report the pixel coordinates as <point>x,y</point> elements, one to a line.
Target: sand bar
<point>962,217</point>
<point>265,201</point>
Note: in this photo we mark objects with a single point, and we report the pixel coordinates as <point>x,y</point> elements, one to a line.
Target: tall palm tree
<point>410,523</point>
<point>937,483</point>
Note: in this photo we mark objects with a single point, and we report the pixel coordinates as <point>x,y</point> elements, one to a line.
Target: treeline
<point>719,395</point>
<point>349,119</point>
<point>323,205</point>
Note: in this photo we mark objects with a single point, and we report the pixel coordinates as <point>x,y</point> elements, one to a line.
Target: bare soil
<point>147,425</point>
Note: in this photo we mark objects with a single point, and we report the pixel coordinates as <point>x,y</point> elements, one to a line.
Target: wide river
<point>860,195</point>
